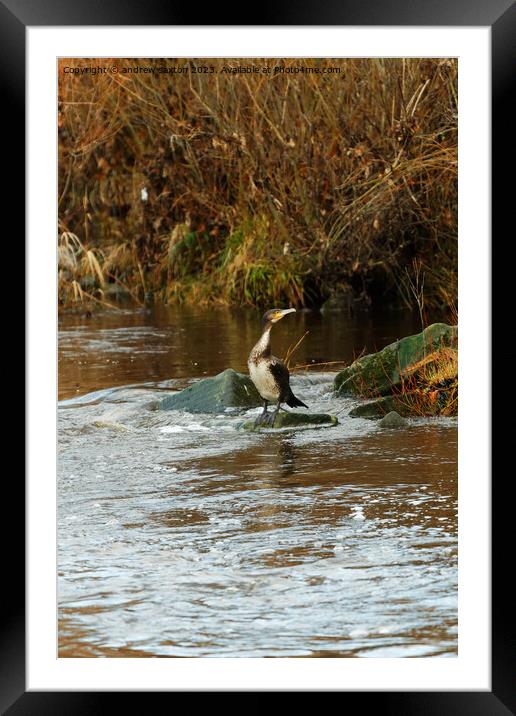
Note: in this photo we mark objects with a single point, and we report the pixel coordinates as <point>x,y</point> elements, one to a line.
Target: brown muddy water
<point>180,535</point>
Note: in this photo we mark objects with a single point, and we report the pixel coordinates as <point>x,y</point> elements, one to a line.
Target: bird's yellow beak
<point>279,314</point>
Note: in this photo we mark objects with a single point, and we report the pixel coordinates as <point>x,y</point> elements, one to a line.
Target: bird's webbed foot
<point>262,417</point>
<point>265,420</point>
<point>269,419</point>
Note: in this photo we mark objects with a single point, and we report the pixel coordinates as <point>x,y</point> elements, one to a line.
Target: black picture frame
<point>500,16</point>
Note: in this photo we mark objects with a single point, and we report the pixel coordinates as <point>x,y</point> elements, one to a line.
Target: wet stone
<point>295,420</point>
<point>228,389</point>
<point>392,420</point>
<point>415,403</point>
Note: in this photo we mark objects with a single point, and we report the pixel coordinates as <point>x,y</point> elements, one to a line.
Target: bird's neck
<point>263,347</point>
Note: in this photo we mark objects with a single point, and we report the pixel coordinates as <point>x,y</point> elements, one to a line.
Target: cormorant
<point>268,373</point>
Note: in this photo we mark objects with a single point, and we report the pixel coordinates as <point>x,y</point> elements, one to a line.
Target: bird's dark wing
<point>281,375</point>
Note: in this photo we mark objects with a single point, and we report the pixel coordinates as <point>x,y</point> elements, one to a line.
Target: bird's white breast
<point>263,380</point>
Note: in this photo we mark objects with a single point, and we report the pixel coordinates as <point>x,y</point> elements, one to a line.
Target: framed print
<point>203,516</point>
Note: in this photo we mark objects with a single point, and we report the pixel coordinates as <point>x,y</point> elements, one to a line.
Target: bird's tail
<point>294,402</point>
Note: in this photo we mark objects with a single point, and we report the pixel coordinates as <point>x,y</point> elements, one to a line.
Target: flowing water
<point>182,535</point>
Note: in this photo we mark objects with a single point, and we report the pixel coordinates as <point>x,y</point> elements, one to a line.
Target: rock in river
<point>392,420</point>
<point>411,403</point>
<point>378,373</point>
<point>295,420</point>
<point>228,389</point>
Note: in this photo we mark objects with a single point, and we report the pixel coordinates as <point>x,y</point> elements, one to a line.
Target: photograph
<point>257,357</point>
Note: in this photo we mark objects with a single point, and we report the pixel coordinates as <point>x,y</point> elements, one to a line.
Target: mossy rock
<point>392,420</point>
<point>379,373</point>
<point>414,403</point>
<point>228,389</point>
<point>295,420</point>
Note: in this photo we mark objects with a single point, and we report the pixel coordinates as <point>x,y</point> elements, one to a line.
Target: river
<point>181,535</point>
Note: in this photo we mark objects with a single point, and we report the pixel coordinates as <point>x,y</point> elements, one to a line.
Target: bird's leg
<point>271,417</point>
<point>259,420</point>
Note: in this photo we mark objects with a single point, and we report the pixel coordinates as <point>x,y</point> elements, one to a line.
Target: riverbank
<point>293,189</point>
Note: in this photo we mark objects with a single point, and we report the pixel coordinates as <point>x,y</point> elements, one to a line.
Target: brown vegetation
<point>257,188</point>
<point>432,385</point>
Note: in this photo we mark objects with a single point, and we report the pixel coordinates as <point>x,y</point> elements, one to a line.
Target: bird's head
<point>275,315</point>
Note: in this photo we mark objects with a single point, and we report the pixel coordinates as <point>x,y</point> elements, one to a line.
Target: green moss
<point>379,373</point>
<point>295,420</point>
<point>409,404</point>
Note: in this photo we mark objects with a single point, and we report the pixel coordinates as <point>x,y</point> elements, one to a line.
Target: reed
<point>259,189</point>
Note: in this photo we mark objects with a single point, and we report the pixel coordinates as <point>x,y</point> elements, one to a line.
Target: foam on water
<point>182,535</point>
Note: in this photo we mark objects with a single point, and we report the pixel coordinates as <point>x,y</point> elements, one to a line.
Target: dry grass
<point>258,189</point>
<point>433,383</point>
<point>429,386</point>
<point>292,349</point>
